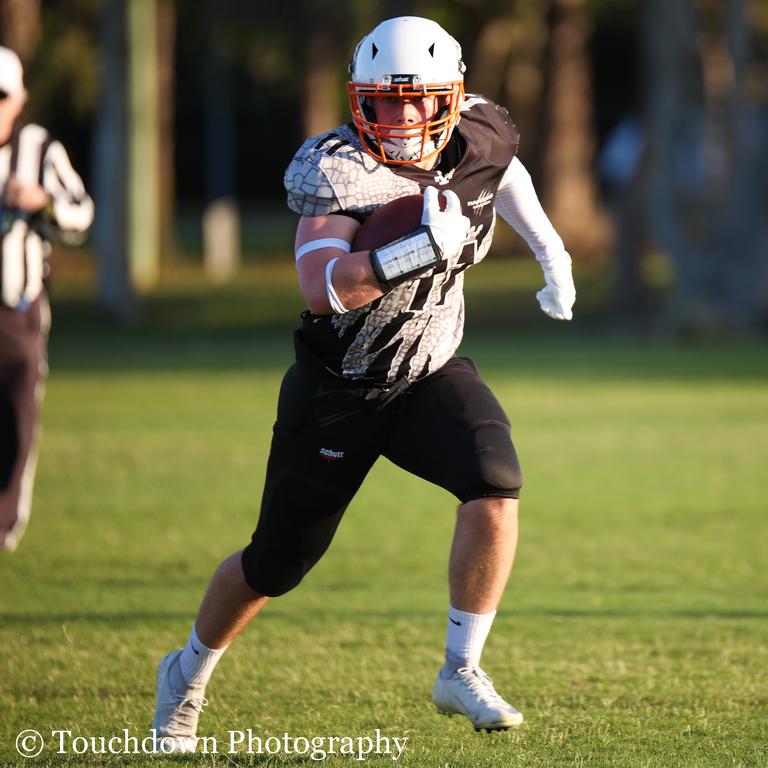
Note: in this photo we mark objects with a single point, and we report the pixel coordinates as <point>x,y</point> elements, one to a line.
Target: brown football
<point>389,222</point>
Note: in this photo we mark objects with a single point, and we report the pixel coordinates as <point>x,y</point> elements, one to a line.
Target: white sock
<point>197,660</point>
<point>465,638</point>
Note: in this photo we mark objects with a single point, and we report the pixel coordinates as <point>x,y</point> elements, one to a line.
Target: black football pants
<point>447,428</point>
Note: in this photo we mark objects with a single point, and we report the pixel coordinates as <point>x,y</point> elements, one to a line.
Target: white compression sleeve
<point>518,204</point>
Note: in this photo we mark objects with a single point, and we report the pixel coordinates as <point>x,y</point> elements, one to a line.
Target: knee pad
<point>269,573</point>
<point>499,472</point>
<point>296,527</point>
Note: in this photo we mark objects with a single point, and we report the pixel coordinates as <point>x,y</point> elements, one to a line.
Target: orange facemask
<point>398,144</point>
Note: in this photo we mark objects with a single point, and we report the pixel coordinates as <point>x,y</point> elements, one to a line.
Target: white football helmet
<point>405,57</point>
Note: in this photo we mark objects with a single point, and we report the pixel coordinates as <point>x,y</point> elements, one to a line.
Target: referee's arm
<point>71,209</point>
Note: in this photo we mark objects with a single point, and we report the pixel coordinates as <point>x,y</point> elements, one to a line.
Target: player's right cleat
<point>470,692</point>
<point>178,705</point>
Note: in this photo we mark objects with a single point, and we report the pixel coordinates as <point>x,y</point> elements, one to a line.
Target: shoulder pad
<point>309,191</point>
<point>490,126</point>
<point>332,172</point>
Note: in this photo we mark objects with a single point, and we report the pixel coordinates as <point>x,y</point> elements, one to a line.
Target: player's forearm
<point>350,279</point>
<point>518,204</point>
<point>333,280</point>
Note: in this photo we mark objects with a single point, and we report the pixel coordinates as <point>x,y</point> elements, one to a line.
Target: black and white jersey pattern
<point>416,328</point>
<point>34,157</point>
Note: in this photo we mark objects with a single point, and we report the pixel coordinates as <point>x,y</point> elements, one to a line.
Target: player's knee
<point>502,478</point>
<point>274,565</point>
<point>499,474</point>
<point>296,527</point>
<point>269,573</point>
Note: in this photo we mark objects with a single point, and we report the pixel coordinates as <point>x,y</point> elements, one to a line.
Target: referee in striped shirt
<point>40,196</point>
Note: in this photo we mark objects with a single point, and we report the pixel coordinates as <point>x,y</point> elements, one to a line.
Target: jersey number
<point>334,147</point>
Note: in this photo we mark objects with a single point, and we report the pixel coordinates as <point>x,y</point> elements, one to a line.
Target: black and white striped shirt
<point>35,158</point>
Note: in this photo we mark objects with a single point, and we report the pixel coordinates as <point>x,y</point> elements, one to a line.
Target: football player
<point>376,372</point>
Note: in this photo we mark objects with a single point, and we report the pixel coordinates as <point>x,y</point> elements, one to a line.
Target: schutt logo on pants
<point>330,455</point>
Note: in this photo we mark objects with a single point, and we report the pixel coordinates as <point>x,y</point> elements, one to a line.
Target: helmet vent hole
<point>374,51</point>
<point>432,50</point>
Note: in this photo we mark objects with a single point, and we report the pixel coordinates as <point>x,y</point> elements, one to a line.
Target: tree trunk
<point>569,188</point>
<point>166,86</point>
<point>321,90</point>
<point>144,145</point>
<point>221,217</point>
<point>507,67</point>
<point>20,26</point>
<point>110,167</point>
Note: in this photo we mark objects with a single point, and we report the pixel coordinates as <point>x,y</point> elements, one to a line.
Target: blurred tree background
<point>643,124</point>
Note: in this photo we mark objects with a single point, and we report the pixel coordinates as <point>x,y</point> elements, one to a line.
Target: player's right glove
<point>450,227</point>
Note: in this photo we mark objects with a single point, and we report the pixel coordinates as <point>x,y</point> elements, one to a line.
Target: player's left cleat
<point>470,692</point>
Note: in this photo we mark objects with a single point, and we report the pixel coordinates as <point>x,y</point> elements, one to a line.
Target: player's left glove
<point>558,297</point>
<point>440,237</point>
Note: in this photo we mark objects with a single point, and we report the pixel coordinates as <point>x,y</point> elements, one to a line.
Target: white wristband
<point>333,297</point>
<point>323,242</point>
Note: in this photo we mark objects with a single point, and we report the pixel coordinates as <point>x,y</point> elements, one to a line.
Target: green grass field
<point>634,631</point>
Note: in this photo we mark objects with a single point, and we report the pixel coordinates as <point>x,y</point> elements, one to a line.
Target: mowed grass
<point>634,631</point>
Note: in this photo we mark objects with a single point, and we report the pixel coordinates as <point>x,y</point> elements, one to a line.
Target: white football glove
<point>559,295</point>
<point>449,227</point>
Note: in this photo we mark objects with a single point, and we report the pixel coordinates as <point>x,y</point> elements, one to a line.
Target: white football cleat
<point>470,692</point>
<point>178,705</point>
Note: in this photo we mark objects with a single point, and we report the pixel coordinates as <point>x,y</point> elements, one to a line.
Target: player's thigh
<point>324,444</point>
<point>453,432</point>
